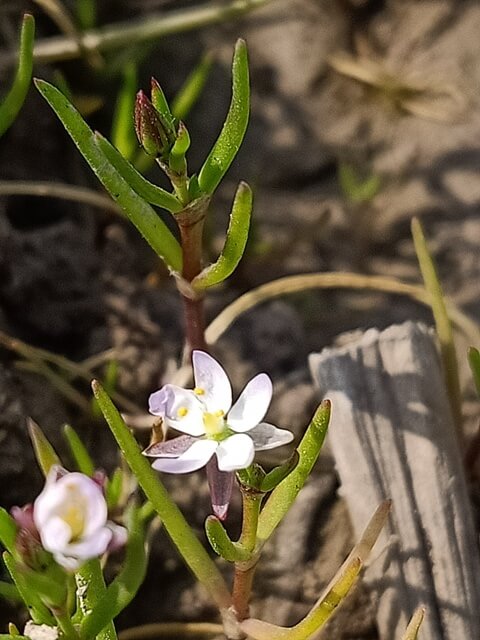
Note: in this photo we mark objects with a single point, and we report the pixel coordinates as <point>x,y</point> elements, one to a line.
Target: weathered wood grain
<point>392,436</point>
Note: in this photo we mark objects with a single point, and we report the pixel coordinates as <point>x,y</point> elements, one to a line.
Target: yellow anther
<point>198,391</point>
<point>219,414</point>
<point>182,412</point>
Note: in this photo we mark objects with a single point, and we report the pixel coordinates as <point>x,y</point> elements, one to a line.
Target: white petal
<point>67,562</point>
<point>72,489</point>
<point>91,495</point>
<point>266,436</point>
<point>194,458</point>
<point>55,535</point>
<point>235,452</point>
<point>211,379</point>
<point>180,408</point>
<point>92,546</point>
<point>252,405</point>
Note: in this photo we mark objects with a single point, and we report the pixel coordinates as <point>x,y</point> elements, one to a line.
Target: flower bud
<point>150,131</point>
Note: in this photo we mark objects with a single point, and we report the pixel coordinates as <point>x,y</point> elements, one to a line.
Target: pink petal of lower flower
<point>220,484</point>
<point>194,458</point>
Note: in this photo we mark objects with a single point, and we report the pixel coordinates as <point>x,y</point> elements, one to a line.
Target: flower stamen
<point>198,391</point>
<point>182,412</point>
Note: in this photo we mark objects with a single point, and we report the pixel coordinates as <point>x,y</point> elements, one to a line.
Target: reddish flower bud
<point>149,128</point>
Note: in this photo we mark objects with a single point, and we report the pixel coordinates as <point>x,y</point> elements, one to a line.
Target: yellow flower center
<point>214,423</point>
<point>74,513</point>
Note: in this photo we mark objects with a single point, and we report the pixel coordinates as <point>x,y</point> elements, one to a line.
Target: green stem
<point>177,527</point>
<point>245,571</point>
<point>66,627</point>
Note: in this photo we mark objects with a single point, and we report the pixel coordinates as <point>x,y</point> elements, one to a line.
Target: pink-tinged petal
<point>220,484</point>
<point>211,383</point>
<point>267,436</point>
<point>236,452</point>
<point>180,408</point>
<point>252,405</point>
<point>92,546</point>
<point>55,535</point>
<point>119,537</point>
<point>170,448</point>
<point>194,458</point>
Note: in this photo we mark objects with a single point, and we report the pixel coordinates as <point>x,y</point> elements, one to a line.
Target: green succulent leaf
<point>39,612</point>
<point>124,587</point>
<point>44,452</point>
<point>228,143</point>
<point>8,531</point>
<point>282,497</point>
<point>139,212</point>
<point>114,488</point>
<point>83,459</point>
<point>15,98</point>
<point>277,475</point>
<point>145,189</point>
<point>235,243</point>
<point>221,543</point>
<point>160,103</point>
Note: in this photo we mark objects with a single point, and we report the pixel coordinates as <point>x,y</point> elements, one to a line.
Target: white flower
<point>212,426</point>
<point>71,517</point>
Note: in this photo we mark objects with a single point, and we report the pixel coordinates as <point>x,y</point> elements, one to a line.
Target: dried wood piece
<point>392,436</point>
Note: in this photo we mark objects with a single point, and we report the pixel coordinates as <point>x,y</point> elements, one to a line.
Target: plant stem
<point>191,232</point>
<point>244,571</point>
<point>66,627</point>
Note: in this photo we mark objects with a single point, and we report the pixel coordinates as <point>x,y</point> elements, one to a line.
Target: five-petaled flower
<point>70,515</point>
<point>212,426</point>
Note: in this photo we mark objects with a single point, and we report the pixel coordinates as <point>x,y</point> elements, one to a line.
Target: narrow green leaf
<point>282,497</point>
<point>221,543</point>
<point>83,460</point>
<point>8,531</point>
<point>39,612</point>
<point>124,587</point>
<point>474,361</point>
<point>114,488</point>
<point>235,243</point>
<point>228,143</point>
<point>192,88</point>
<point>15,98</point>
<point>442,323</point>
<point>414,625</point>
<point>90,590</point>
<point>52,592</point>
<point>123,133</point>
<point>145,189</point>
<point>277,475</point>
<point>44,452</point>
<point>174,522</point>
<point>148,223</point>
<point>160,103</point>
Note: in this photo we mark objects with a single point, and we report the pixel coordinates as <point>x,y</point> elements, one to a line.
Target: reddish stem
<point>191,231</point>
